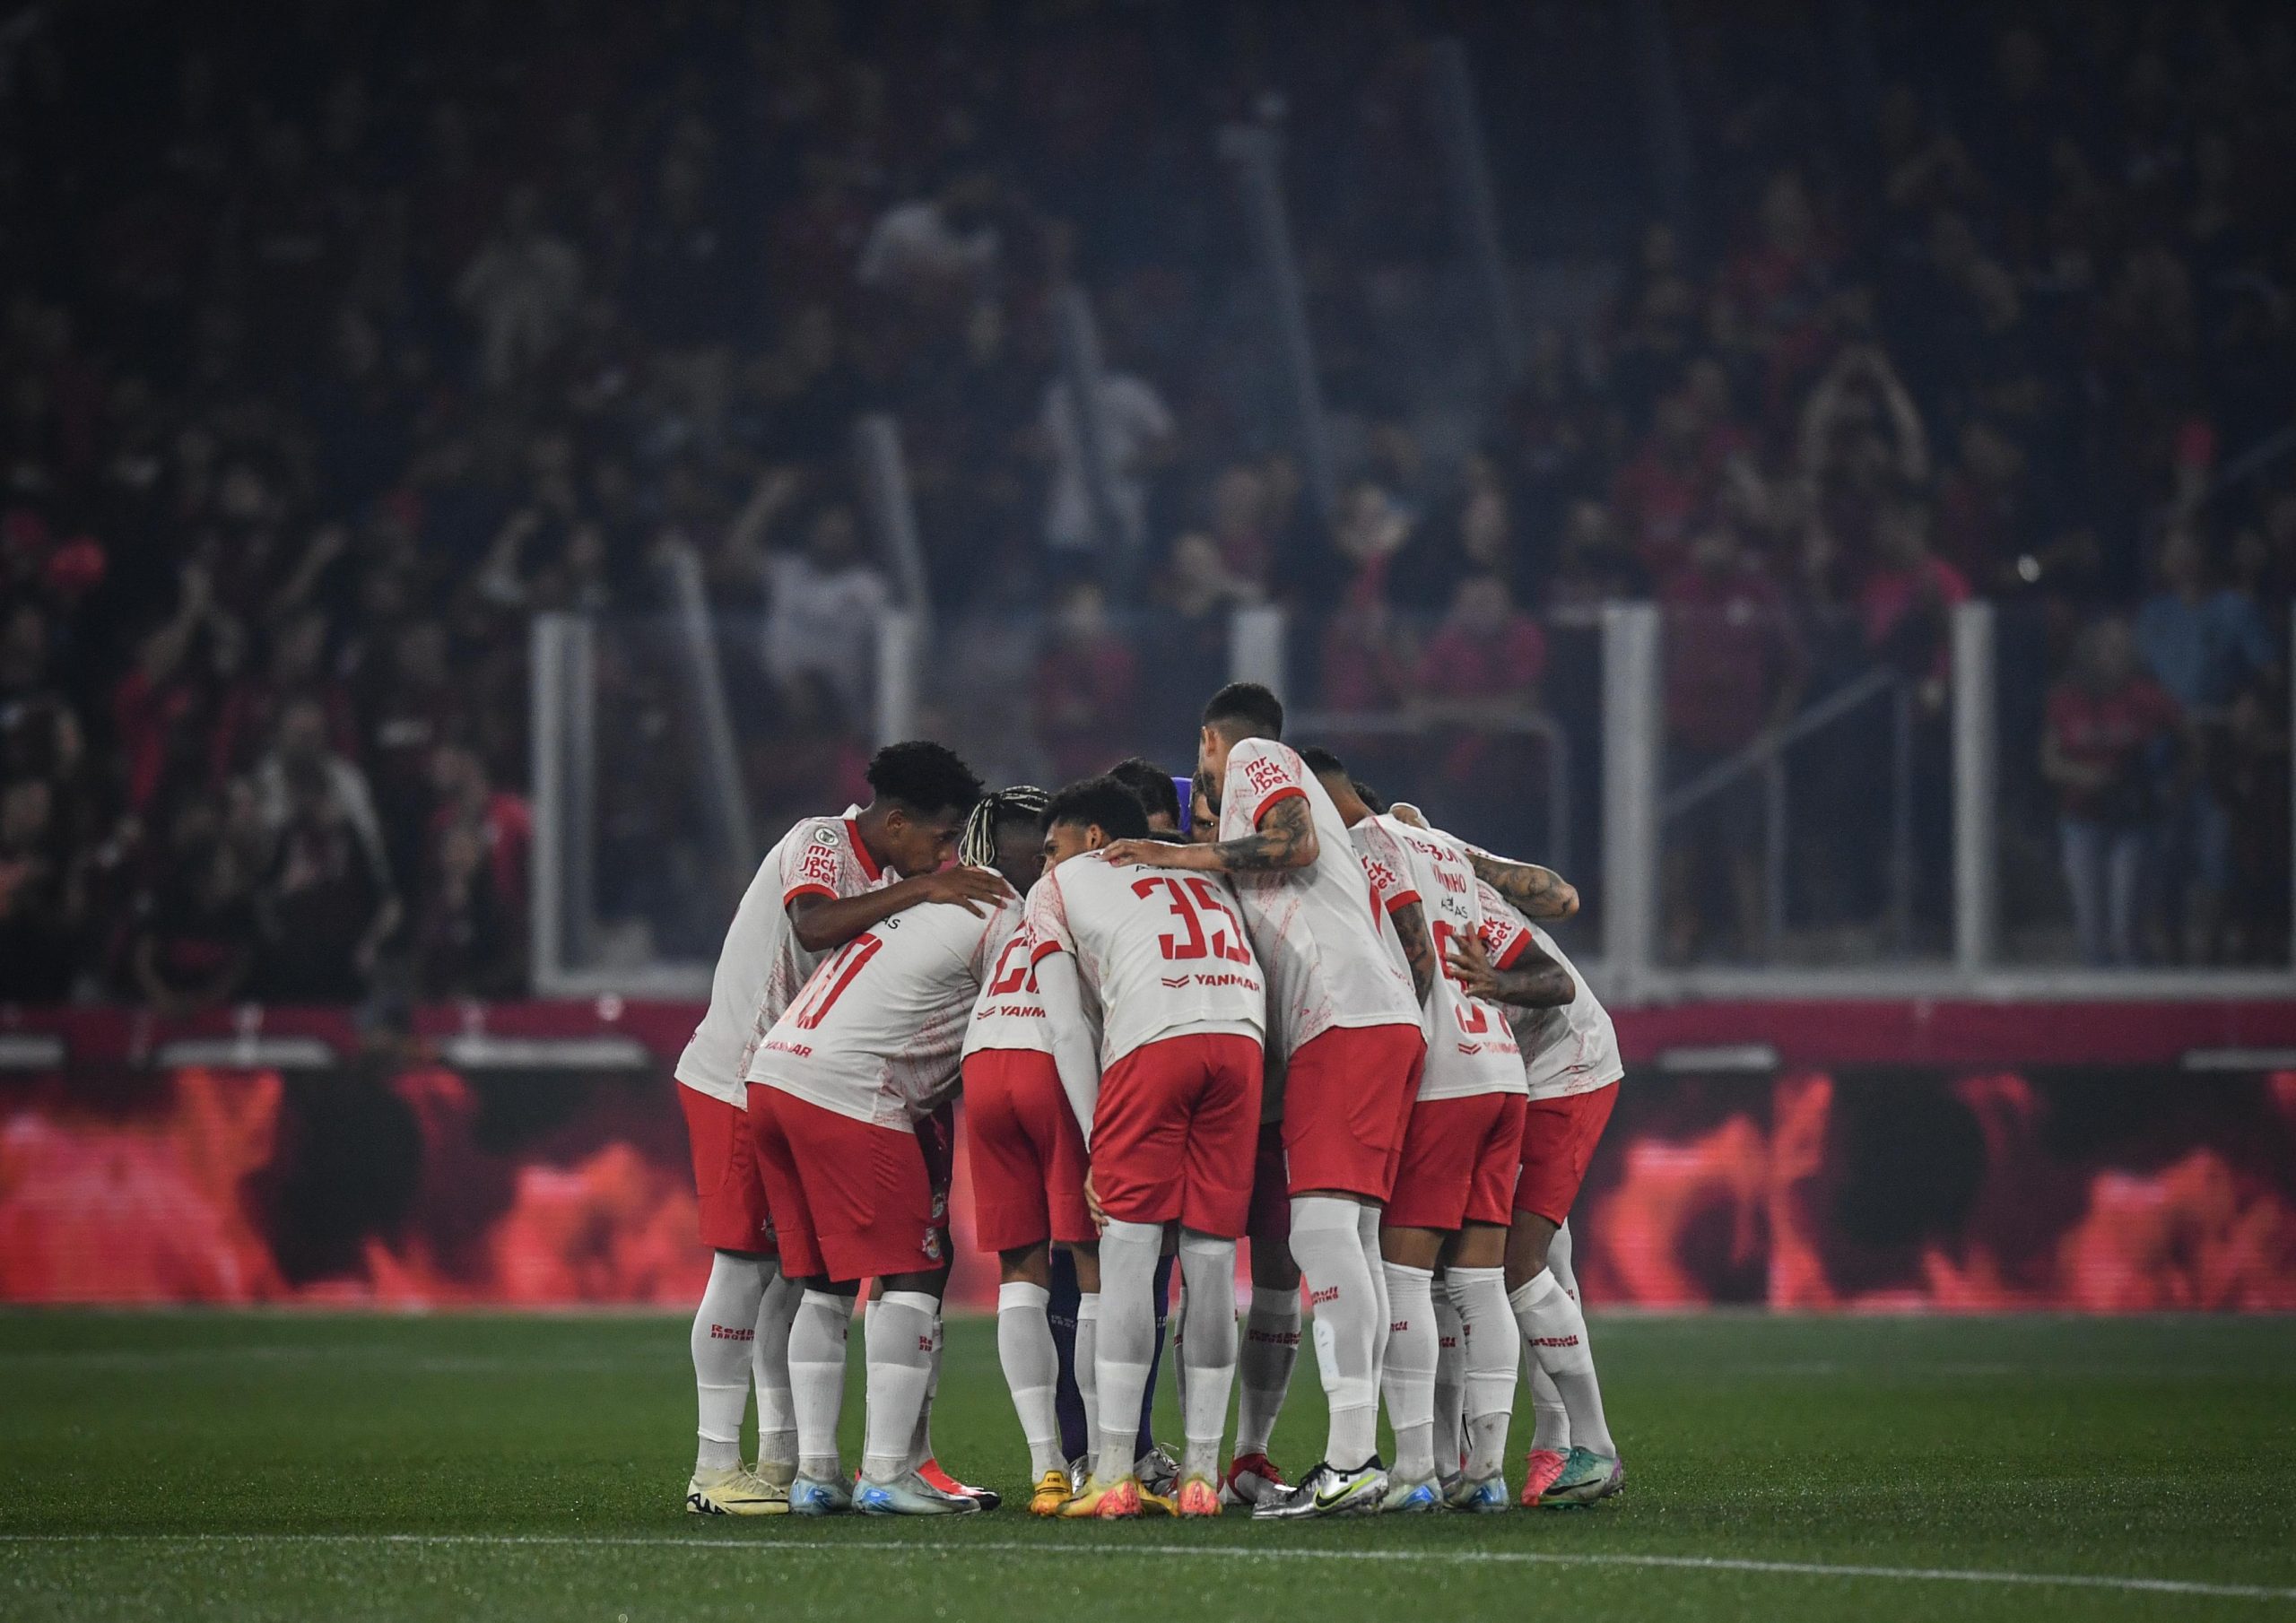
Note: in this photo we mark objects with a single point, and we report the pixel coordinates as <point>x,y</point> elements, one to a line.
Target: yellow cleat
<point>1051,1494</point>
<point>738,1492</point>
<point>1198,1497</point>
<point>1154,1504</point>
<point>1105,1501</point>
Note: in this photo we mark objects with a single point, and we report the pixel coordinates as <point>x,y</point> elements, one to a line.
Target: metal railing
<point>1767,756</point>
<point>1414,724</point>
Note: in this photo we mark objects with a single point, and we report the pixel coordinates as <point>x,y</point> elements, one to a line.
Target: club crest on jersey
<point>932,1245</point>
<point>823,834</point>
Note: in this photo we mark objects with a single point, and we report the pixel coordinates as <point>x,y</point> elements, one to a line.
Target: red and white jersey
<point>1331,956</point>
<point>1161,951</point>
<point>876,1034</point>
<point>762,966</point>
<point>1010,1012</point>
<point>1471,1048</point>
<point>1566,1050</point>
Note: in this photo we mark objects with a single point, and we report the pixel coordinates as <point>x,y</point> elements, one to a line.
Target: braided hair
<point>1022,803</point>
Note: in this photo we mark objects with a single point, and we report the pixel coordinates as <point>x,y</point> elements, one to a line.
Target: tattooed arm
<point>1539,892</point>
<point>1531,980</point>
<point>1285,839</point>
<point>1418,947</point>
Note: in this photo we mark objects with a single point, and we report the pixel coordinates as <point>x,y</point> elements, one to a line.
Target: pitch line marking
<point>1527,1557</point>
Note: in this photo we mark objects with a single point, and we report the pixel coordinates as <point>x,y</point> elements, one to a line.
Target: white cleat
<point>911,1496</point>
<point>737,1492</point>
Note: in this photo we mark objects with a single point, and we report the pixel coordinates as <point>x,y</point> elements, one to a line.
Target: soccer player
<point>828,879</point>
<point>1347,1021</point>
<point>837,1090</point>
<point>1172,1116</point>
<point>1571,1057</point>
<point>1462,1148</point>
<point>1023,1144</point>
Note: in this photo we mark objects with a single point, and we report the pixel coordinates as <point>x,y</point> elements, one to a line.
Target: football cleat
<point>1198,1497</point>
<point>819,1497</point>
<point>777,1473</point>
<point>988,1499</point>
<point>1409,1497</point>
<point>1329,1491</point>
<point>1252,1478</point>
<point>737,1492</point>
<point>1480,1495</point>
<point>911,1496</point>
<point>1586,1477</point>
<point>1541,1466</point>
<point>1159,1472</point>
<point>1053,1491</point>
<point>1105,1501</point>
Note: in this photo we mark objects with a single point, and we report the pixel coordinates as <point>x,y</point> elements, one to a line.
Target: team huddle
<point>1259,1005</point>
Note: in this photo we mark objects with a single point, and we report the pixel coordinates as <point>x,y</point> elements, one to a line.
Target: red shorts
<point>1026,1152</point>
<point>732,1197</point>
<point>1558,1138</point>
<point>1347,1097</point>
<point>1460,1160</point>
<point>1175,1131</point>
<point>851,1200</point>
<point>1270,1216</point>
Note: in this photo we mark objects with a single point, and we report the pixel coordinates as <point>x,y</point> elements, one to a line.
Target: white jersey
<point>1331,956</point>
<point>762,966</point>
<point>1566,1050</point>
<point>1471,1049</point>
<point>1010,1012</point>
<point>877,1032</point>
<point>1161,951</point>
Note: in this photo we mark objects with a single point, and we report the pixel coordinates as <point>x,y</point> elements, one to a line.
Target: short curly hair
<point>1151,782</point>
<point>1105,801</point>
<point>925,776</point>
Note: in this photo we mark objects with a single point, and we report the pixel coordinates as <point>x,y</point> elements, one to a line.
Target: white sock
<point>1086,1360</point>
<point>1127,1338</point>
<point>1271,1346</point>
<point>1208,1348</point>
<point>1031,1369</point>
<point>817,1380</point>
<point>1550,1420</point>
<point>1327,1243</point>
<point>1367,1229</point>
<point>723,1328</point>
<point>1408,1378</point>
<point>920,1444</point>
<point>900,1335</point>
<point>1494,1350</point>
<point>1450,1381</point>
<point>776,1415</point>
<point>1556,1333</point>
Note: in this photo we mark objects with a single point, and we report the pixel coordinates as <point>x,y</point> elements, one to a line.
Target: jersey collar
<point>860,846</point>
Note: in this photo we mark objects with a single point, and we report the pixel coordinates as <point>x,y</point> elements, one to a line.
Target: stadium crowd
<point>338,344</point>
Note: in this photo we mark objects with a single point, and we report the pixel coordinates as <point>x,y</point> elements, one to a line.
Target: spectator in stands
<point>470,919</point>
<point>300,753</point>
<point>1087,685</point>
<point>2110,730</point>
<point>1477,685</point>
<point>38,916</point>
<point>823,605</point>
<point>2206,646</point>
<point>519,290</point>
<point>196,934</point>
<point>1137,428</point>
<point>1734,668</point>
<point>326,904</point>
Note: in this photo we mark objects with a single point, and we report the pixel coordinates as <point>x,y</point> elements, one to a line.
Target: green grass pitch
<point>294,1465</point>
